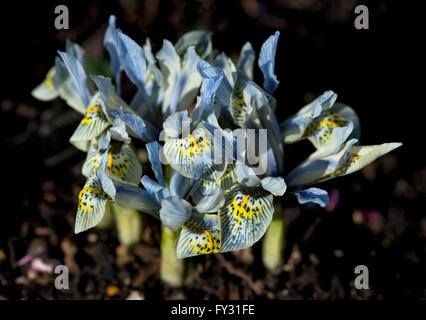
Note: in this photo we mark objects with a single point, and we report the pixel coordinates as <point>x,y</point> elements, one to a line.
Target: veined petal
<point>91,205</point>
<point>185,89</point>
<point>111,99</point>
<point>64,85</point>
<point>155,190</point>
<point>246,61</point>
<point>319,131</point>
<point>154,149</point>
<point>224,92</point>
<point>212,78</point>
<point>275,185</point>
<point>131,196</point>
<point>111,44</point>
<point>246,176</point>
<point>310,171</point>
<point>132,60</point>
<point>78,76</point>
<point>294,128</point>
<point>240,109</point>
<point>313,195</point>
<point>91,126</point>
<point>45,91</point>
<point>225,181</point>
<point>201,40</point>
<point>245,217</point>
<point>141,128</point>
<point>92,163</point>
<point>169,62</point>
<point>174,212</point>
<point>211,202</point>
<point>181,152</point>
<point>349,159</point>
<point>179,185</point>
<point>118,131</point>
<point>200,235</point>
<point>124,164</point>
<point>267,63</point>
<point>176,124</point>
<point>76,51</point>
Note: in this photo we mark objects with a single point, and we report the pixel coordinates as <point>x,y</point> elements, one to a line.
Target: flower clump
<point>200,115</point>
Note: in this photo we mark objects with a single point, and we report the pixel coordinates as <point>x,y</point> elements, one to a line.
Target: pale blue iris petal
<point>78,75</point>
<point>131,196</point>
<point>186,88</point>
<point>144,130</point>
<point>154,189</point>
<point>246,176</point>
<point>338,137</point>
<point>245,216</point>
<point>275,185</point>
<point>180,186</point>
<point>64,85</point>
<point>224,92</point>
<point>118,131</point>
<point>112,100</point>
<point>312,171</point>
<point>111,44</point>
<point>176,123</point>
<point>293,129</point>
<point>200,235</point>
<point>154,149</point>
<point>211,202</point>
<point>313,195</point>
<point>169,62</point>
<point>246,61</point>
<point>132,60</point>
<point>75,50</point>
<point>267,63</point>
<point>174,212</point>
<point>198,38</point>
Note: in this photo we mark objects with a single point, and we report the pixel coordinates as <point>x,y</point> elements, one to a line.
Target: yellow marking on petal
<point>91,205</point>
<point>321,128</point>
<point>90,112</point>
<point>200,235</point>
<point>339,171</point>
<point>246,214</point>
<point>48,81</point>
<point>180,153</point>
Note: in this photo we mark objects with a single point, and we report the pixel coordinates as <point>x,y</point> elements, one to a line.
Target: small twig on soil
<point>257,287</point>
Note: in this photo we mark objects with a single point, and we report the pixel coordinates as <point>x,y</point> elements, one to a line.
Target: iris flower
<point>210,116</point>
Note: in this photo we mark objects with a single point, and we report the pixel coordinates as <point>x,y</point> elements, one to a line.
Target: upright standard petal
<point>201,40</point>
<point>111,44</point>
<point>141,128</point>
<point>267,63</point>
<point>154,149</point>
<point>78,76</point>
<point>246,61</point>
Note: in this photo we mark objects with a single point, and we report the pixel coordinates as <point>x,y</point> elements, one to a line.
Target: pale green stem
<point>108,218</point>
<point>129,225</point>
<point>274,241</point>
<point>171,269</point>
